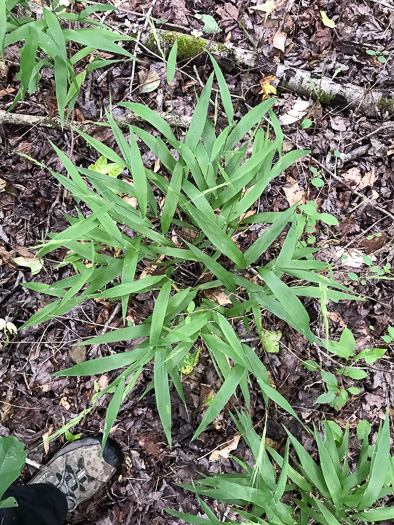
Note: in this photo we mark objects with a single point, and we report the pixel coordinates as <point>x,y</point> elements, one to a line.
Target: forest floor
<point>358,190</point>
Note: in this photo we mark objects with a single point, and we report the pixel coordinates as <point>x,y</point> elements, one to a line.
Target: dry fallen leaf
<point>297,112</point>
<point>267,7</point>
<point>7,91</point>
<point>225,451</point>
<point>218,296</point>
<point>293,192</point>
<point>266,88</point>
<point>45,438</point>
<point>279,41</point>
<point>368,179</point>
<point>352,176</point>
<point>148,81</point>
<point>131,200</point>
<point>65,404</point>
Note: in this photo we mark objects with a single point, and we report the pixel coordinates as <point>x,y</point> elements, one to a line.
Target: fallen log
<point>302,82</point>
<point>88,126</point>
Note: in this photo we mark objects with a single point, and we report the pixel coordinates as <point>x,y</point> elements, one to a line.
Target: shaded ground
<point>33,403</point>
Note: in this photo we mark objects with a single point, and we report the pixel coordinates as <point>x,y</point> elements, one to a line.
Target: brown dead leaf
<point>225,451</point>
<point>64,403</point>
<point>131,200</point>
<point>228,37</point>
<point>149,81</point>
<point>266,88</point>
<point>372,245</point>
<point>228,11</point>
<point>150,269</point>
<point>207,393</point>
<point>218,296</point>
<point>3,70</point>
<point>279,41</point>
<point>7,91</point>
<point>293,192</point>
<point>150,442</point>
<point>6,409</point>
<point>272,443</point>
<point>368,179</point>
<point>334,316</point>
<point>45,438</point>
<point>343,423</point>
<point>5,256</point>
<point>78,353</point>
<point>352,177</point>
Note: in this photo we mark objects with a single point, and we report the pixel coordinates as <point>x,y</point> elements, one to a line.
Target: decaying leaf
<point>7,91</point>
<point>189,362</point>
<point>296,113</point>
<point>279,41</point>
<point>293,192</point>
<point>225,451</point>
<point>267,7</point>
<point>78,353</point>
<point>45,438</point>
<point>218,296</point>
<point>32,263</point>
<point>266,88</point>
<point>148,81</point>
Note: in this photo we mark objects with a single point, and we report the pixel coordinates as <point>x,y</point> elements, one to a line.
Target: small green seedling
<point>380,55</point>
<point>317,180</point>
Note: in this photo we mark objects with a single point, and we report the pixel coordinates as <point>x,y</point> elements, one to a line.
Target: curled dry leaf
<point>266,88</point>
<point>293,192</point>
<point>225,451</point>
<point>296,113</point>
<point>279,41</point>
<point>148,81</point>
<point>217,296</point>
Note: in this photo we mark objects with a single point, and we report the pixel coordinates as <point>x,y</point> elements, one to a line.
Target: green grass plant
<point>48,43</point>
<point>294,489</point>
<point>210,180</point>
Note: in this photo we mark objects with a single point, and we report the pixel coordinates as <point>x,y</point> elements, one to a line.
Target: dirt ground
<point>358,189</point>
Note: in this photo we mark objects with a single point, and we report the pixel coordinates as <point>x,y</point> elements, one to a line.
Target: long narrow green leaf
<point>268,237</point>
<point>247,122</point>
<point>217,236</point>
<point>228,389</point>
<point>217,269</point>
<point>290,302</point>
<point>138,173</point>
<point>224,91</point>
<point>28,58</point>
<point>3,25</point>
<point>193,134</point>
<point>152,117</point>
<point>162,391</point>
<point>310,468</point>
<point>380,464</point>
<point>159,313</point>
<point>128,271</point>
<point>128,288</point>
<point>381,514</point>
<point>172,197</point>
<point>112,411</point>
<point>171,62</point>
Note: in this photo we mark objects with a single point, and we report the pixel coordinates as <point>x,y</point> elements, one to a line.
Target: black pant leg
<point>40,504</point>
